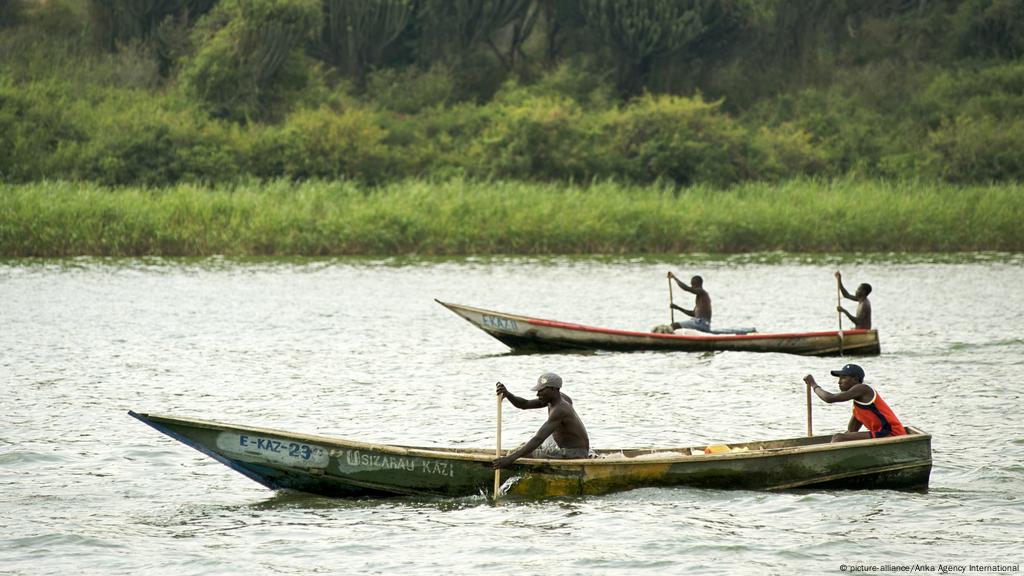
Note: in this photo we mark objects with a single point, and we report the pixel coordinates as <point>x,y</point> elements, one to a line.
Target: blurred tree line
<point>718,91</point>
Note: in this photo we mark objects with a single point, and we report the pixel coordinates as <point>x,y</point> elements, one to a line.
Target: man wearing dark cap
<point>563,424</point>
<point>863,318</point>
<point>869,410</point>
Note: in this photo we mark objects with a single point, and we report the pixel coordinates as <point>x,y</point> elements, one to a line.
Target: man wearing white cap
<point>563,424</point>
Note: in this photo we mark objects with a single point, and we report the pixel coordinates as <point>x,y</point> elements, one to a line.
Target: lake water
<point>359,349</point>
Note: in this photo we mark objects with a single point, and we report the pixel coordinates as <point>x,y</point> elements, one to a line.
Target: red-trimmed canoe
<point>344,468</point>
<point>526,334</point>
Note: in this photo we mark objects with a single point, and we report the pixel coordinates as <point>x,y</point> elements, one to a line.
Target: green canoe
<point>337,467</point>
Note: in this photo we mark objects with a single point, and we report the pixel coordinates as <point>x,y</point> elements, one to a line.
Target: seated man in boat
<point>563,424</point>
<point>869,410</point>
<point>701,313</point>
<point>863,318</point>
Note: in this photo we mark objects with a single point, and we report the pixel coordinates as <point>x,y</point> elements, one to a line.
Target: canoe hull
<point>344,468</point>
<point>319,465</point>
<point>527,334</point>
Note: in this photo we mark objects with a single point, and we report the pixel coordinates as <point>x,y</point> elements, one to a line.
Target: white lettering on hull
<point>499,323</point>
<point>253,448</point>
<point>354,460</point>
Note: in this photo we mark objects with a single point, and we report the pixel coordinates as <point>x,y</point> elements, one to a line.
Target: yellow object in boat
<point>716,449</point>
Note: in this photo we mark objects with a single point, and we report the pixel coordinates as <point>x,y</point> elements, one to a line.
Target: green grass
<point>461,217</point>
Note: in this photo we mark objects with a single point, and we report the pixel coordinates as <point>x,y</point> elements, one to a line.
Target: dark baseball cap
<point>850,370</point>
<point>548,380</point>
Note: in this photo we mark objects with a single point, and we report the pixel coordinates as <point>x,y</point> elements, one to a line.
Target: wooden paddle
<point>809,425</point>
<point>839,313</point>
<point>671,310</point>
<point>497,451</point>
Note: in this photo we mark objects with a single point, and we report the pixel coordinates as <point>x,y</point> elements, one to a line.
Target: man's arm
<point>839,281</point>
<point>683,310</point>
<point>546,430</point>
<point>521,403</point>
<point>859,392</point>
<point>684,286</point>
<point>848,315</point>
<point>681,285</point>
<point>854,424</point>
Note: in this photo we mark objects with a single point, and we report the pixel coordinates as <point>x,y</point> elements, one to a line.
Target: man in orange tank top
<point>869,410</point>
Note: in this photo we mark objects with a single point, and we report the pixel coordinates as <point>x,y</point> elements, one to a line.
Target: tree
<point>641,31</point>
<point>357,32</point>
<point>250,57</point>
<point>454,27</point>
<point>991,28</point>
<point>116,22</point>
<point>10,11</point>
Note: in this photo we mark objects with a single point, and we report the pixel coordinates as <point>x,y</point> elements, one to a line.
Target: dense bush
<point>579,82</point>
<point>32,128</point>
<point>438,144</point>
<point>982,149</point>
<point>326,144</point>
<point>683,140</point>
<point>996,91</point>
<point>785,152</point>
<point>541,138</point>
<point>125,140</point>
<point>852,138</point>
<point>411,90</point>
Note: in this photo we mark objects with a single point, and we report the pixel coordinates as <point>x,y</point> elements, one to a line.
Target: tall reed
<point>459,217</point>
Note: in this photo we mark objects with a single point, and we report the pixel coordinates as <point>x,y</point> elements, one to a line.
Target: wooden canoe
<point>526,334</point>
<point>344,468</point>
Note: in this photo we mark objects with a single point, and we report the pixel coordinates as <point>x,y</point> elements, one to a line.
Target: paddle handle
<point>839,314</point>
<point>671,310</point>
<point>497,449</point>
<point>809,422</point>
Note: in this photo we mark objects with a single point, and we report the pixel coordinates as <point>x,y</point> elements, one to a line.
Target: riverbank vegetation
<point>458,217</point>
<point>156,92</point>
<point>208,104</point>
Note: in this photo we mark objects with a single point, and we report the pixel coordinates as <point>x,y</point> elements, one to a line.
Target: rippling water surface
<point>359,349</point>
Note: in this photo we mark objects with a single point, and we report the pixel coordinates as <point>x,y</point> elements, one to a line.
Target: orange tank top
<point>877,417</point>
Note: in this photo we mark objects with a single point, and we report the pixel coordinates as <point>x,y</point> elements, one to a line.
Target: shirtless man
<point>863,318</point>
<point>563,423</point>
<point>701,312</point>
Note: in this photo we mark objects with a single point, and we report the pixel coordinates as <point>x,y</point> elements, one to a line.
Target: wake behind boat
<point>344,468</point>
<point>526,334</point>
